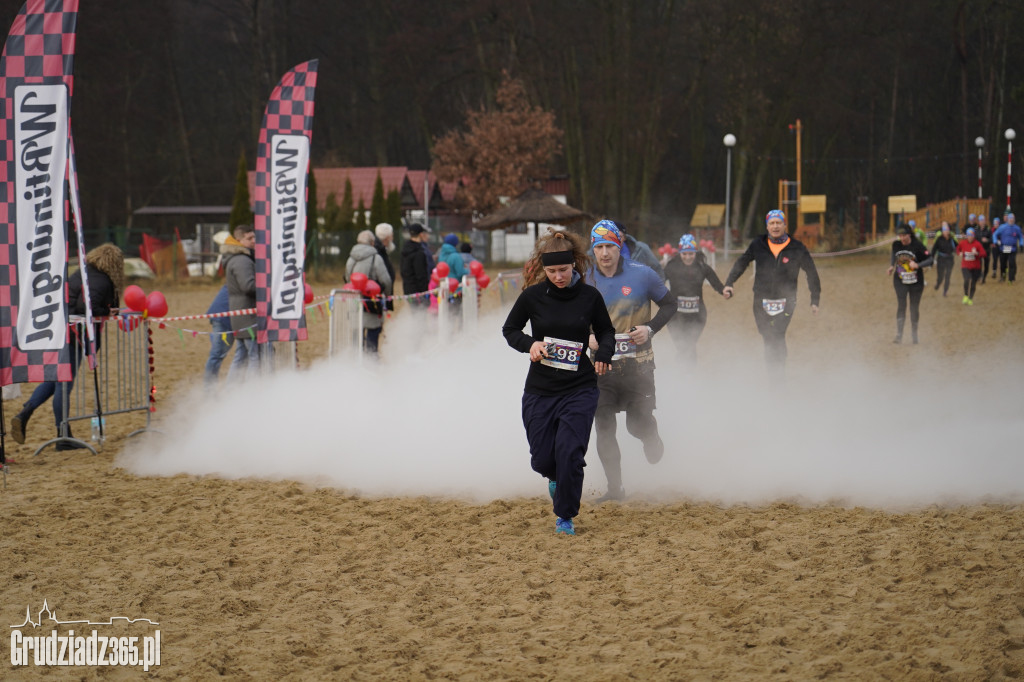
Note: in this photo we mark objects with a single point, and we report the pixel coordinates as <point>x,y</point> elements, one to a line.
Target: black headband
<point>557,258</point>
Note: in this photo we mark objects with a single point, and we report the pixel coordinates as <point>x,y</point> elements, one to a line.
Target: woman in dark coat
<point>105,266</point>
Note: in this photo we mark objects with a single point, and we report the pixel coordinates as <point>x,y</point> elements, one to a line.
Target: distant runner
<point>972,255</point>
<point>778,259</point>
<point>909,257</point>
<point>686,275</point>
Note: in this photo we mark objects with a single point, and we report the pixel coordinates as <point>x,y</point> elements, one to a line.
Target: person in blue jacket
<point>628,288</point>
<point>449,254</point>
<point>221,339</point>
<point>1005,242</point>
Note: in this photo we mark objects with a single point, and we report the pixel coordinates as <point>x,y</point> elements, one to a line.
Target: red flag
<point>35,96</point>
<point>279,206</point>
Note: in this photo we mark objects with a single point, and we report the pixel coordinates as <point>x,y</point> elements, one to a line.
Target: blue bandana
<point>687,243</point>
<point>776,213</point>
<point>605,232</point>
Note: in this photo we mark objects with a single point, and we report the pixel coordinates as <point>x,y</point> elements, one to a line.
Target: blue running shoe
<point>551,489</point>
<point>564,526</point>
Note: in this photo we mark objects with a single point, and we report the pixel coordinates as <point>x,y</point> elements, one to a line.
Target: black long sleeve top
<point>568,314</point>
<point>775,277</point>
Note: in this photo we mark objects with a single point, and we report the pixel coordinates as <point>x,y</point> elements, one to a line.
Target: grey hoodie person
<point>365,259</point>
<point>240,277</point>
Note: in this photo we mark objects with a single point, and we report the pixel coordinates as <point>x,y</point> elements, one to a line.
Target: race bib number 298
<point>563,354</point>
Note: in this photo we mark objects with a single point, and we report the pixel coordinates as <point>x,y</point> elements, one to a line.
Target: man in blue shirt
<point>1005,242</point>
<point>628,288</point>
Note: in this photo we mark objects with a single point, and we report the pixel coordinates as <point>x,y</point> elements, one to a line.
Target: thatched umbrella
<point>532,206</point>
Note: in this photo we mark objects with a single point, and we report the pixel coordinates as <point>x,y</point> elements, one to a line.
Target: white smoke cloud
<point>444,420</point>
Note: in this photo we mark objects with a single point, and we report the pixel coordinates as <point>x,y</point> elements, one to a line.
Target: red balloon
<point>135,298</point>
<point>476,268</point>
<point>359,281</point>
<point>156,304</point>
<point>453,284</point>
<point>483,280</point>
<point>442,269</point>
<point>307,297</point>
<point>371,289</point>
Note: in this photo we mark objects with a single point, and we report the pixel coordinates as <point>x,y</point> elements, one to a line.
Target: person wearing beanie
<point>628,289</point>
<point>1005,241</point>
<point>686,274</point>
<point>906,265</point>
<point>561,394</point>
<point>416,264</point>
<point>984,235</point>
<point>634,249</point>
<point>944,250</point>
<point>449,254</point>
<point>778,260</point>
<point>972,254</point>
<point>921,235</point>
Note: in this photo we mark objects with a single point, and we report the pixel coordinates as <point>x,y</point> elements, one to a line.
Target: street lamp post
<point>729,141</point>
<point>1010,134</point>
<point>980,142</point>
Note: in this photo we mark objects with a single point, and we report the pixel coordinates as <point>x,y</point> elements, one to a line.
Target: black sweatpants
<point>943,271</point>
<point>632,391</point>
<point>1008,265</point>
<point>558,431</point>
<point>971,281</point>
<point>905,292</point>
<point>685,329</point>
<point>773,330</point>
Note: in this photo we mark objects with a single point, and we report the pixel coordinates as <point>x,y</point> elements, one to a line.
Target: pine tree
<point>394,210</point>
<point>332,214</point>
<point>347,209</point>
<point>241,208</point>
<point>360,223</point>
<point>378,205</point>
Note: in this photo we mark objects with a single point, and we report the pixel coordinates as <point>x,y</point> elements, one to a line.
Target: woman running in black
<point>686,274</point>
<point>909,256</point>
<point>944,250</point>
<point>560,397</point>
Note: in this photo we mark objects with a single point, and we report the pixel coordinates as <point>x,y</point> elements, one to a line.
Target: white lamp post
<point>979,142</point>
<point>729,141</point>
<point>1010,134</point>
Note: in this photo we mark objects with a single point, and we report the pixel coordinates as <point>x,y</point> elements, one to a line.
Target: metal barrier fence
<point>510,284</point>
<point>454,314</point>
<point>121,383</point>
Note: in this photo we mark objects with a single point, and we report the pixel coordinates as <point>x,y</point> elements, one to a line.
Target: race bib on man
<point>563,354</point>
<point>773,306</point>
<point>687,304</point>
<point>1007,248</point>
<point>970,255</point>
<point>908,276</point>
<point>624,347</point>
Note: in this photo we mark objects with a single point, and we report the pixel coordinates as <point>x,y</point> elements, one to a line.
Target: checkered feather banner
<point>35,95</point>
<point>279,206</point>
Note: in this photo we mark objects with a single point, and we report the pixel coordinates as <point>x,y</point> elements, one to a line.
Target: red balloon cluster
<point>361,283</point>
<point>667,250</point>
<point>708,245</point>
<point>476,269</point>
<point>153,305</point>
<point>307,293</point>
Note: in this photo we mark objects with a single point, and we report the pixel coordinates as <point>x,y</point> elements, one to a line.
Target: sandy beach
<point>864,521</point>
